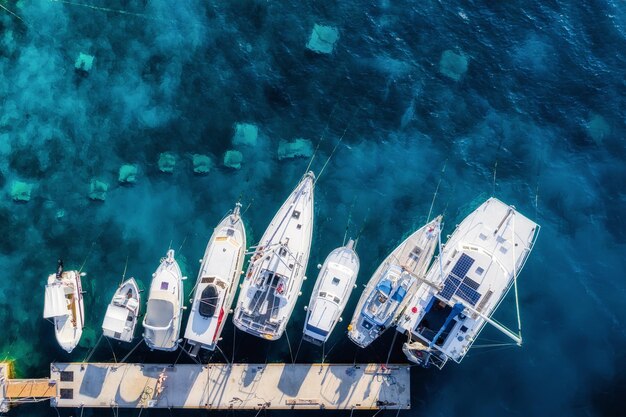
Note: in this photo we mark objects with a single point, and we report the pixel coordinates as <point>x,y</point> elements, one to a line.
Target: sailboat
<point>392,285</point>
<point>165,306</point>
<point>277,269</point>
<point>475,270</point>
<point>121,316</point>
<point>64,304</point>
<point>217,283</point>
<point>331,292</point>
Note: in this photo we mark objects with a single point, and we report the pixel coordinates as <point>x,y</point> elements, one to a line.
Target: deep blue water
<point>542,101</point>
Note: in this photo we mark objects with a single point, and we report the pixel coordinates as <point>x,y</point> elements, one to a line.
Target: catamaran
<point>165,306</point>
<point>392,285</point>
<point>277,269</point>
<point>217,283</point>
<point>64,304</point>
<point>332,289</point>
<point>121,316</point>
<point>475,270</point>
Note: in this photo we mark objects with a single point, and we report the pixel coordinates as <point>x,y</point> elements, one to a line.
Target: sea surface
<point>422,101</point>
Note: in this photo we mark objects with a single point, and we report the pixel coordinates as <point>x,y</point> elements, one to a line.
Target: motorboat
<point>122,313</point>
<point>165,306</point>
<point>331,292</point>
<point>63,304</point>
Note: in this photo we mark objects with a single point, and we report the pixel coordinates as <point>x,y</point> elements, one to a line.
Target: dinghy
<point>475,270</point>
<point>121,316</point>
<point>332,289</point>
<point>63,304</point>
<point>165,306</point>
<point>277,269</point>
<point>392,285</point>
<point>217,283</point>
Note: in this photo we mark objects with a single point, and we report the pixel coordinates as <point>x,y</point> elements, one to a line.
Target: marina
<point>215,386</point>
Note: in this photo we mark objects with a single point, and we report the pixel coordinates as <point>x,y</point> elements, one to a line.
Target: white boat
<point>64,304</point>
<point>277,269</point>
<point>217,283</point>
<point>392,285</point>
<point>165,306</point>
<point>332,289</point>
<point>474,271</point>
<point>121,316</point>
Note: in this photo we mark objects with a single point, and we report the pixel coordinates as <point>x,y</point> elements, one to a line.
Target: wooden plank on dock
<point>18,389</point>
<point>240,386</point>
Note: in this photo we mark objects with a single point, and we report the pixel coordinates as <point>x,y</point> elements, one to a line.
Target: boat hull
<point>277,269</point>
<point>122,313</point>
<point>165,303</point>
<point>392,285</point>
<point>217,283</point>
<point>330,295</point>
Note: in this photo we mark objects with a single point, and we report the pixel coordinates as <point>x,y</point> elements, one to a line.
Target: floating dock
<point>224,386</point>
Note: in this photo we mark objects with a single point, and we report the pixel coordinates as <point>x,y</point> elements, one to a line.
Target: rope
<point>391,347</point>
<point>179,353</point>
<point>131,351</point>
<point>345,235</point>
<point>293,361</point>
<point>331,348</point>
<point>93,349</point>
<point>432,204</point>
<point>519,319</point>
<point>495,168</point>
<point>299,345</point>
<point>11,13</point>
<point>124,274</point>
<point>336,146</point>
<point>112,351</point>
<point>106,9</point>
<point>321,138</point>
<point>232,359</point>
<point>222,352</point>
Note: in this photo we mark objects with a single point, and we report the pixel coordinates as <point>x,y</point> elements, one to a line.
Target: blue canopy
<point>399,295</point>
<point>384,287</point>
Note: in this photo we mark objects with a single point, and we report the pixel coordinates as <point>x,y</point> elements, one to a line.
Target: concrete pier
<point>239,387</point>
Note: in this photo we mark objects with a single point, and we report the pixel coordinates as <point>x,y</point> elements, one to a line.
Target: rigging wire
<point>11,13</point>
<point>432,204</point>
<point>321,138</point>
<point>336,145</point>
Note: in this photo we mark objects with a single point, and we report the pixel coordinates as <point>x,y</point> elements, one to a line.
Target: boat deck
<point>239,387</point>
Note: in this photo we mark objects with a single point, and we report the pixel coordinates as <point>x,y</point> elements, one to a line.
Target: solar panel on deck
<point>471,283</point>
<point>462,265</point>
<point>468,294</point>
<point>449,287</point>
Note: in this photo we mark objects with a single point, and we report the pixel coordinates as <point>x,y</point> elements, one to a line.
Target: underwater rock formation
<point>297,148</point>
<point>167,162</point>
<point>233,159</point>
<point>453,65</point>
<point>245,134</point>
<point>323,39</point>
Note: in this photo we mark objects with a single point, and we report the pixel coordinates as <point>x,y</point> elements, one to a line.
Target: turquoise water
<point>532,89</point>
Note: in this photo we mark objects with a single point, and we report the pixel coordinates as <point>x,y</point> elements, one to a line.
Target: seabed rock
<point>453,65</point>
<point>98,190</point>
<point>298,148</point>
<point>167,162</point>
<point>323,39</point>
<point>202,164</point>
<point>84,62</point>
<point>20,191</point>
<point>233,159</point>
<point>128,174</point>
<point>245,134</point>
<point>598,128</point>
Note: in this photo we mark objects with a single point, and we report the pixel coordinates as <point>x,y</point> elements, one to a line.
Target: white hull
<point>331,292</point>
<point>69,312</point>
<point>165,306</point>
<point>121,316</point>
<point>217,283</point>
<point>277,268</point>
<point>392,285</point>
<point>476,269</point>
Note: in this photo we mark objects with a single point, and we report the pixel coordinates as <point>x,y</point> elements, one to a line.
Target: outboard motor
<point>59,268</point>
